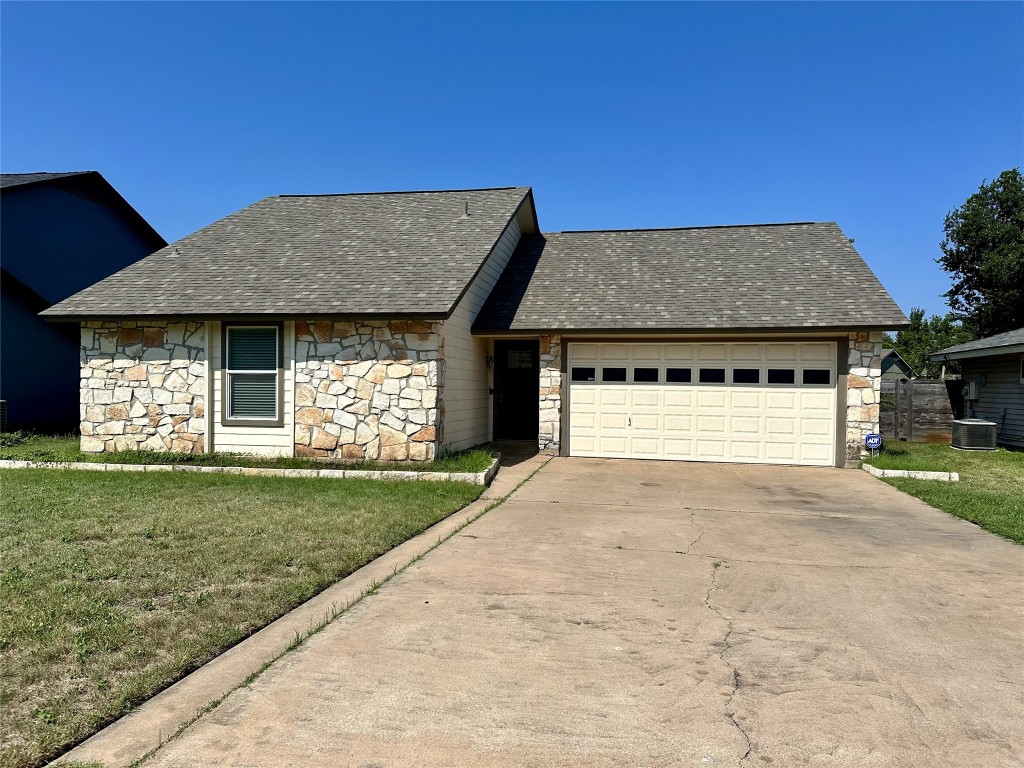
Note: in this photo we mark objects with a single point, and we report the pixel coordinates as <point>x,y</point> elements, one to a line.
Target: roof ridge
<point>676,229</point>
<point>404,192</point>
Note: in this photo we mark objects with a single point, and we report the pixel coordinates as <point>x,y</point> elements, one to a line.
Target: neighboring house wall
<point>48,402</point>
<point>1001,397</point>
<point>56,243</point>
<point>367,389</point>
<point>143,386</point>
<point>863,382</point>
<point>550,433</point>
<point>266,441</point>
<point>467,420</point>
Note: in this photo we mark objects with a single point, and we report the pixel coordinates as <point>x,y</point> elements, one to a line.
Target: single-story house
<point>395,326</point>
<point>59,233</point>
<point>995,365</point>
<point>894,366</point>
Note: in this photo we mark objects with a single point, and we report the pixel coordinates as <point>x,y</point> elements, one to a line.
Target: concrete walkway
<point>616,613</point>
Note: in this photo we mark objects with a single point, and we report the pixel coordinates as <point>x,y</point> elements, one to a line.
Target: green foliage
<point>984,253</point>
<point>927,335</point>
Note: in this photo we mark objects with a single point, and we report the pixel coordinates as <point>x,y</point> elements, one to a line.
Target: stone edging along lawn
<point>949,477</point>
<point>477,478</point>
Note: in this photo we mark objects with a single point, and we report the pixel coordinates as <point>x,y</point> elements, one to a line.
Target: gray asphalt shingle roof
<point>802,276</point>
<point>20,179</point>
<point>995,343</point>
<point>405,253</point>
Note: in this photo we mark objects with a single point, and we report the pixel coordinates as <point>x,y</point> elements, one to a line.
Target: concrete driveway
<point>619,613</point>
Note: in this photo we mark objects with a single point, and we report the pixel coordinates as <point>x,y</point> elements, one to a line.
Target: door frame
<point>500,348</point>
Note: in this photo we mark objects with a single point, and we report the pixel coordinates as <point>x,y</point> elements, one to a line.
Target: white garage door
<point>765,402</point>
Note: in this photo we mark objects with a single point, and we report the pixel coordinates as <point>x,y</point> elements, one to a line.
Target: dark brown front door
<point>516,390</point>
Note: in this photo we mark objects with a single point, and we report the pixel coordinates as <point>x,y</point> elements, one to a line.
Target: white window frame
<point>227,418</point>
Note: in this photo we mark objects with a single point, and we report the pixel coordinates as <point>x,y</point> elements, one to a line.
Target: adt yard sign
<point>873,441</point>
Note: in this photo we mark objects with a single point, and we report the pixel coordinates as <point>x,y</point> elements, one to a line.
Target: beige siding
<point>465,388</point>
<point>267,441</point>
<point>1002,391</point>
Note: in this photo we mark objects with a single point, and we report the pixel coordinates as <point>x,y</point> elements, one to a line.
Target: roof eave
<point>73,317</point>
<point>1009,349</point>
<point>691,330</point>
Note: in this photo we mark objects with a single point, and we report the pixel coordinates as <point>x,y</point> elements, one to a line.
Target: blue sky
<point>882,117</point>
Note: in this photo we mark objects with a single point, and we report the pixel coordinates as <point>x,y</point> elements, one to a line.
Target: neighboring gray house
<point>996,366</point>
<point>60,232</point>
<point>894,366</point>
<point>394,326</point>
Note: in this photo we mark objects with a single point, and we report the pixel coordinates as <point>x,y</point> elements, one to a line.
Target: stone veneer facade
<point>864,386</point>
<point>143,386</point>
<point>368,389</point>
<point>550,435</point>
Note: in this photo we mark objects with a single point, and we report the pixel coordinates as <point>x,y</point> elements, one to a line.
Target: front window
<point>252,372</point>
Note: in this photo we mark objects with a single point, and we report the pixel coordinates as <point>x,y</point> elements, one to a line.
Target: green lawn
<point>24,446</point>
<point>114,585</point>
<point>991,488</point>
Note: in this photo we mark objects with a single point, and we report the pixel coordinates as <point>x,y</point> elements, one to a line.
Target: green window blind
<point>252,395</point>
<point>252,349</point>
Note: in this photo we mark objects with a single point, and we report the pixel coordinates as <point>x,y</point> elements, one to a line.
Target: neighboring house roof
<point>87,184</point>
<point>1000,344</point>
<point>21,179</point>
<point>395,254</point>
<point>891,358</point>
<point>767,276</point>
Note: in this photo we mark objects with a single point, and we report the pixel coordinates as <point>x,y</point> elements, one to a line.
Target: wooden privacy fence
<point>919,409</point>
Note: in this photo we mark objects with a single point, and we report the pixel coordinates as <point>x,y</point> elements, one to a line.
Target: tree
<point>984,253</point>
<point>925,336</point>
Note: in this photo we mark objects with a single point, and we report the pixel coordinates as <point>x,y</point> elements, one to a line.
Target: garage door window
<point>817,376</point>
<point>781,376</point>
<point>613,374</point>
<point>746,376</point>
<point>584,374</point>
<point>678,375</point>
<point>645,375</point>
<point>712,375</point>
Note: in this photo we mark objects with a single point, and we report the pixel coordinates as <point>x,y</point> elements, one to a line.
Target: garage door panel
<point>745,450</point>
<point>822,401</point>
<point>647,422</point>
<point>646,448</point>
<point>781,353</point>
<point>612,396</point>
<point>749,399</point>
<point>746,425</point>
<point>789,423</point>
<point>712,353</point>
<point>711,398</point>
<point>612,421</point>
<point>710,450</point>
<point>746,352</point>
<point>615,352</point>
<point>814,353</point>
<point>644,396</point>
<point>678,352</point>
<point>679,398</point>
<point>711,424</point>
<point>678,423</point>
<point>777,426</point>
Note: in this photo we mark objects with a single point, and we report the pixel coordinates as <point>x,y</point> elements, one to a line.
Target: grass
<point>114,585</point>
<point>991,488</point>
<point>26,446</point>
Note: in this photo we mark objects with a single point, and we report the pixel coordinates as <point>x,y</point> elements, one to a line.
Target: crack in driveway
<point>730,711</point>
